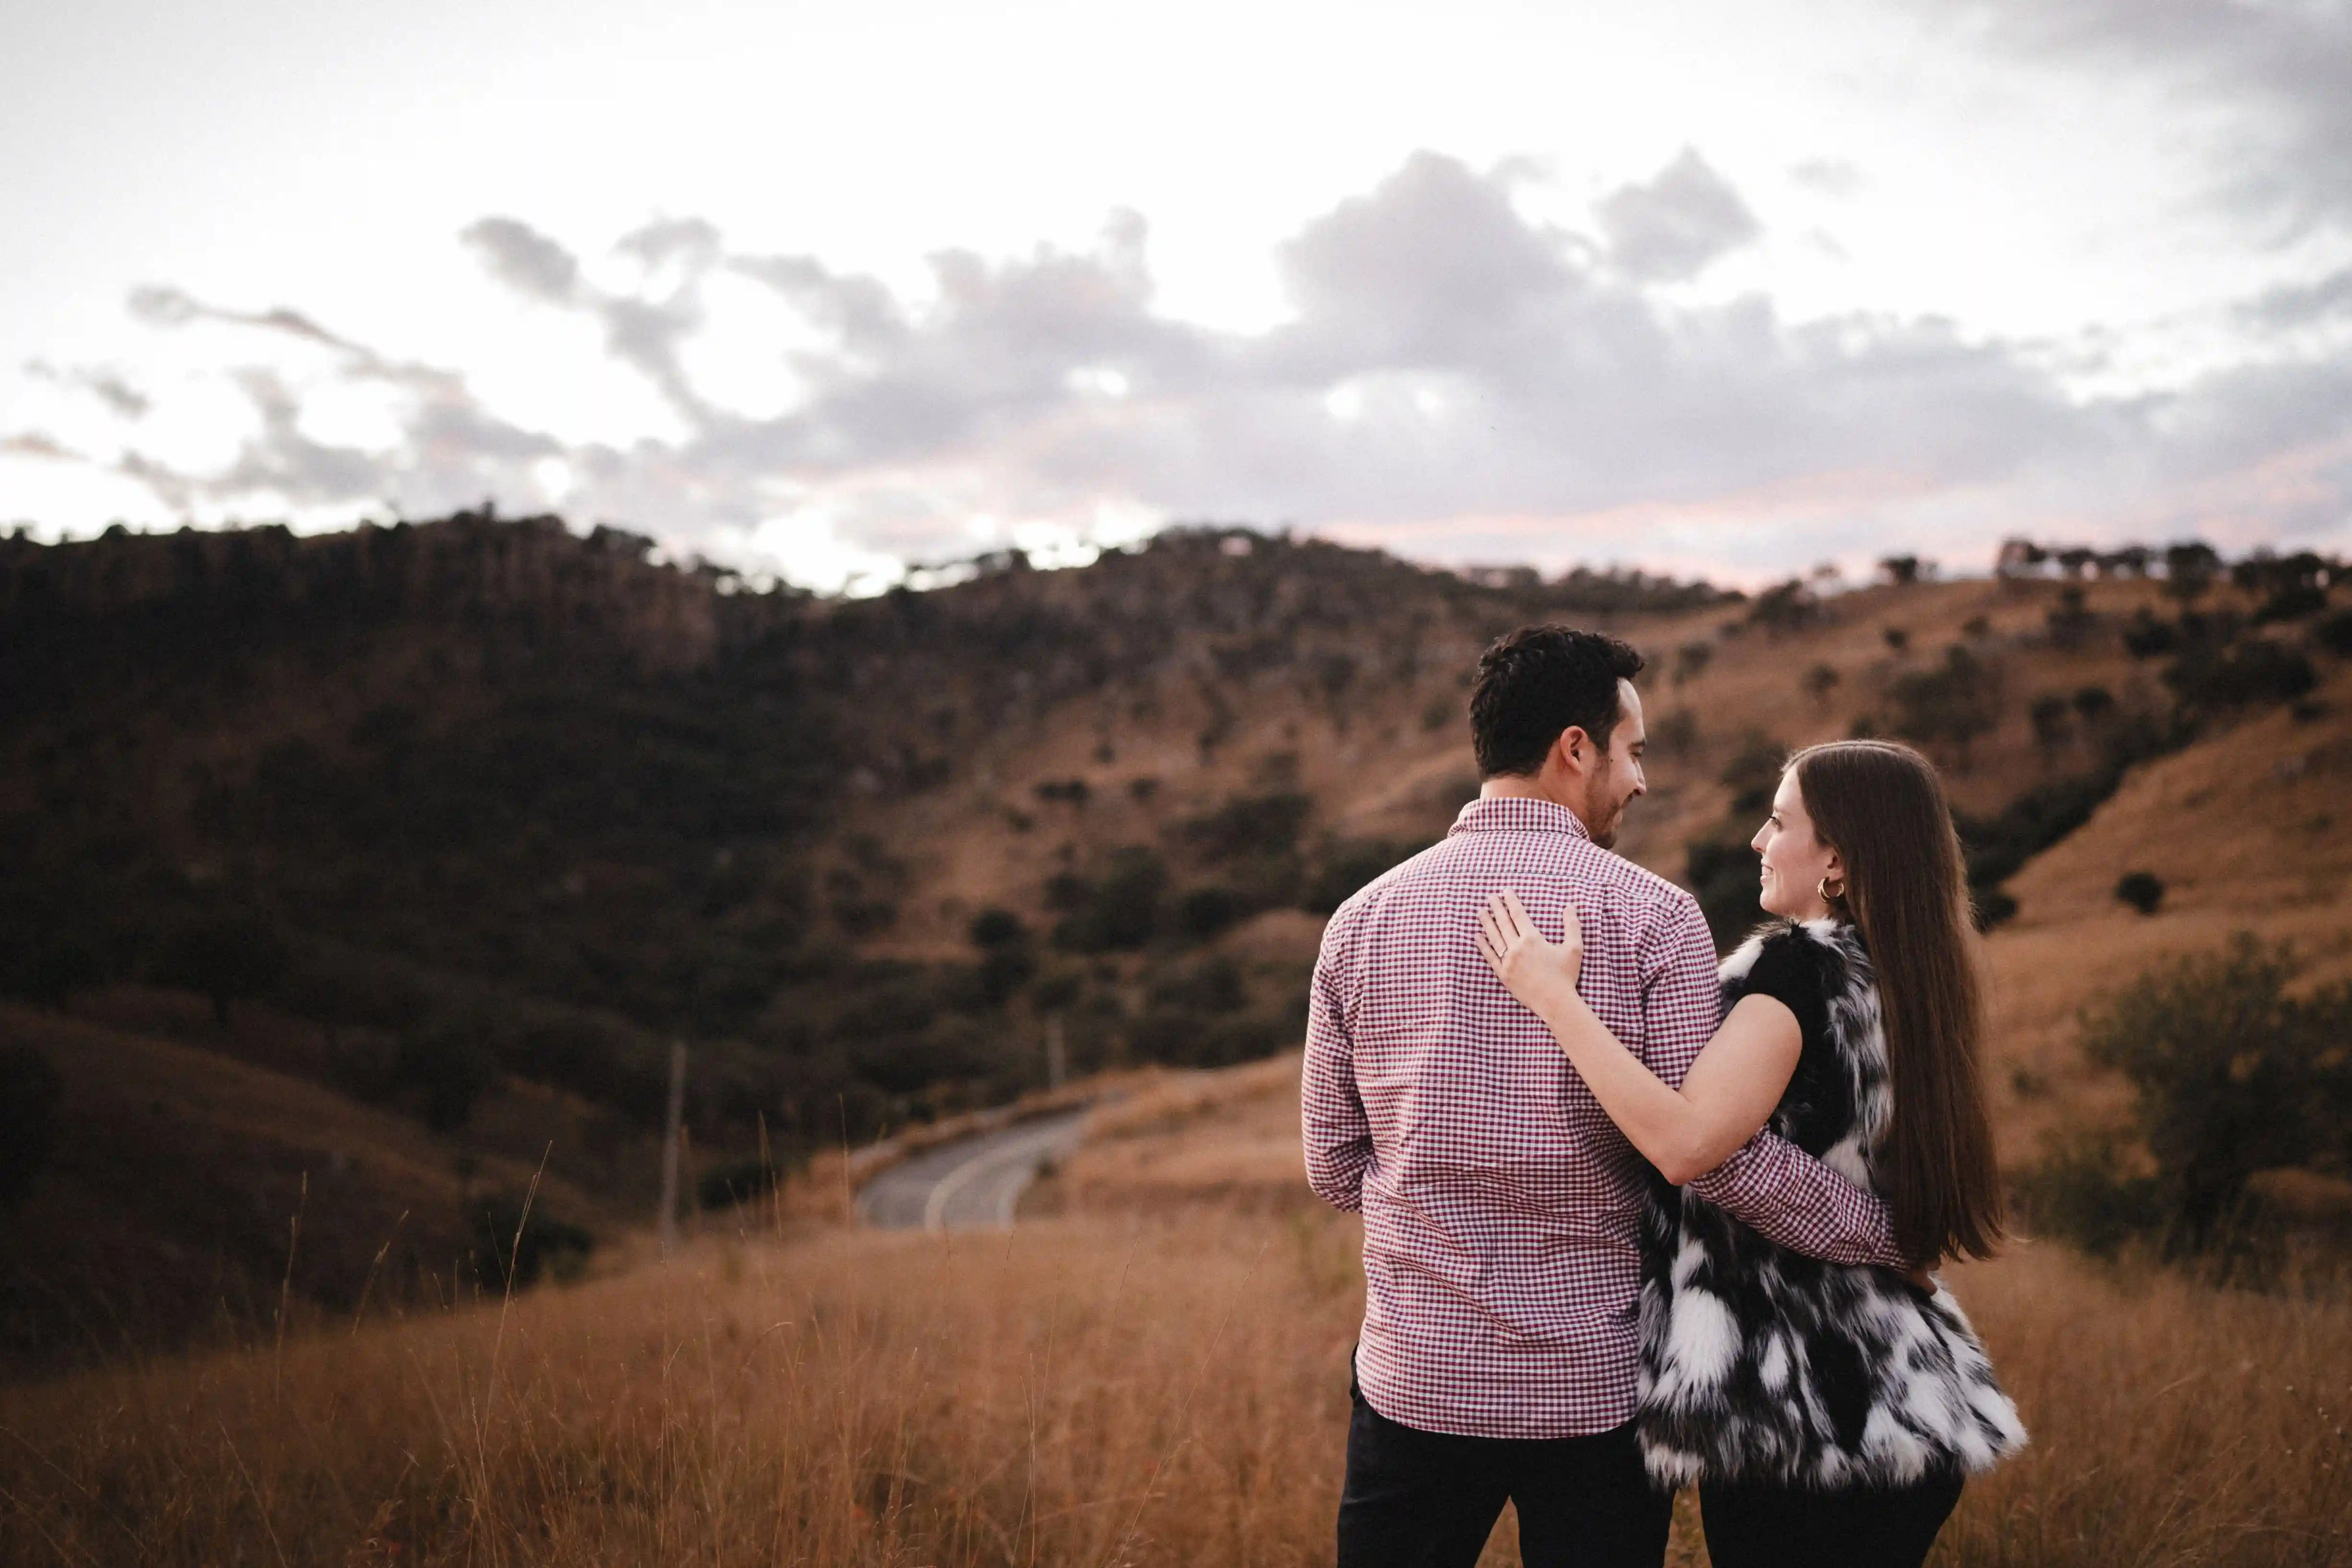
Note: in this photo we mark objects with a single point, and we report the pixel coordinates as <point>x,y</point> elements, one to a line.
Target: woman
<point>1828,1414</point>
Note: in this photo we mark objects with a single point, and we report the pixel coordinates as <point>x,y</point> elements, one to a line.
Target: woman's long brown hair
<point>1881,807</point>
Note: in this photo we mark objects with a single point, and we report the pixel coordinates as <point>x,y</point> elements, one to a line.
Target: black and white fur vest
<point>1761,1364</point>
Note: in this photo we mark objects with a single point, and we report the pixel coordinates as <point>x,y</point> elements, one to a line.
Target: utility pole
<point>670,1138</point>
<point>1057,1056</point>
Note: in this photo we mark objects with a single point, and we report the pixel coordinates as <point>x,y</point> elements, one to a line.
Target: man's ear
<point>1576,748</point>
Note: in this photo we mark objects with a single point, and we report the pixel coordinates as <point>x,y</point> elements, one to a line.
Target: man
<point>1498,1355</point>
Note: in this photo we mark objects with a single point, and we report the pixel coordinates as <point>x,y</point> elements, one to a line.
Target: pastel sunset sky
<point>1719,287</point>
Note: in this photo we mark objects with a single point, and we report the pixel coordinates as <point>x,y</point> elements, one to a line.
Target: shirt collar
<point>1516,813</point>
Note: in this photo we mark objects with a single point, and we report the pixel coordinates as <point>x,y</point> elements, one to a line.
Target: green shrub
<point>2080,1190</point>
<point>1997,845</point>
<point>1118,910</point>
<point>2069,621</point>
<point>1952,705</point>
<point>1006,961</point>
<point>1989,907</point>
<point>1004,971</point>
<point>1179,1037</point>
<point>1210,985</point>
<point>2230,1075</point>
<point>994,928</point>
<point>1752,775</point>
<point>1249,826</point>
<point>2052,721</point>
<point>2291,603</point>
<point>2252,669</point>
<point>1203,912</point>
<point>2146,635</point>
<point>2143,891</point>
<point>1784,607</point>
<point>2333,631</point>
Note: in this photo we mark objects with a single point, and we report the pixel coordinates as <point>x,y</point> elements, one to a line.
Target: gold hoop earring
<point>1829,895</point>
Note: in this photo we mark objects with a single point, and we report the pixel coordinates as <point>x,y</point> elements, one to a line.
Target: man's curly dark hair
<point>1536,681</point>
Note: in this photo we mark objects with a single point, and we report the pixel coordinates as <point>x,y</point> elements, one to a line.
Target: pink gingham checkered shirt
<point>1501,1206</point>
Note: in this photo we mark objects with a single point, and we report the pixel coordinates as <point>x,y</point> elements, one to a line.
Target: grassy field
<point>1152,1369</point>
<point>1092,1389</point>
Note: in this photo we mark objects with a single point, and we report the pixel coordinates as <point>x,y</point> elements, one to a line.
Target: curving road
<point>973,1183</point>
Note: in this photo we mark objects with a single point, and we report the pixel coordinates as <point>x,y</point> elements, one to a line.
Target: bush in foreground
<point>2231,1074</point>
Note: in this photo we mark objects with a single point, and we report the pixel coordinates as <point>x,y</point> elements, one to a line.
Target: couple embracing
<point>1631,1222</point>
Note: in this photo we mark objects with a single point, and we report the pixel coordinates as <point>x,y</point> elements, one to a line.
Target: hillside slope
<point>469,820</point>
<point>2247,829</point>
<point>187,1188</point>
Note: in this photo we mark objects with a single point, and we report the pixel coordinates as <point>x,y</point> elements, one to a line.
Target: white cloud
<point>1669,228</point>
<point>1454,378</point>
<point>2274,75</point>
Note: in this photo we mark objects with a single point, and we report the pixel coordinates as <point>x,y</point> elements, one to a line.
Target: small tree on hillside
<point>2051,719</point>
<point>1006,961</point>
<point>1952,705</point>
<point>2230,1075</point>
<point>2143,891</point>
<point>2189,569</point>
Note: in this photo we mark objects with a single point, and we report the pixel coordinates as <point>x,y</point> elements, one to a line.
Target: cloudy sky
<point>1734,288</point>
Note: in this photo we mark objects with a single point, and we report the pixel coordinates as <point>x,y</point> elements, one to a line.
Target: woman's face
<point>1795,861</point>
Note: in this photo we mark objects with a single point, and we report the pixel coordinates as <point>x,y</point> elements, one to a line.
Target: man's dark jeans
<point>1426,1500</point>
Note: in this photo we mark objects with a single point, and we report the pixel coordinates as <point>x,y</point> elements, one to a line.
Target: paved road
<point>973,1183</point>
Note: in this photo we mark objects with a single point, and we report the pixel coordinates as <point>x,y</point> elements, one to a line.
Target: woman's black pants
<point>1752,1526</point>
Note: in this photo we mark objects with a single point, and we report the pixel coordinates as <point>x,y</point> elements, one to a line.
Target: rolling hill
<point>459,824</point>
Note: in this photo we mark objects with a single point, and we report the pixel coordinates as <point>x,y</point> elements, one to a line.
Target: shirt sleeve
<point>1680,1001</point>
<point>1791,1199</point>
<point>1332,1125</point>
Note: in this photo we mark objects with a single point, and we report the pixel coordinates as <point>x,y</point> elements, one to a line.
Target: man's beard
<point>1601,830</point>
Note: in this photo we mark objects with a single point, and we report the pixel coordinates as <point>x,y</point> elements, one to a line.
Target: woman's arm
<point>1685,1132</point>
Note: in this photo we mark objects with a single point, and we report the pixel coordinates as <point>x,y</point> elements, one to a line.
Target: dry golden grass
<point>1092,1389</point>
<point>1228,1138</point>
